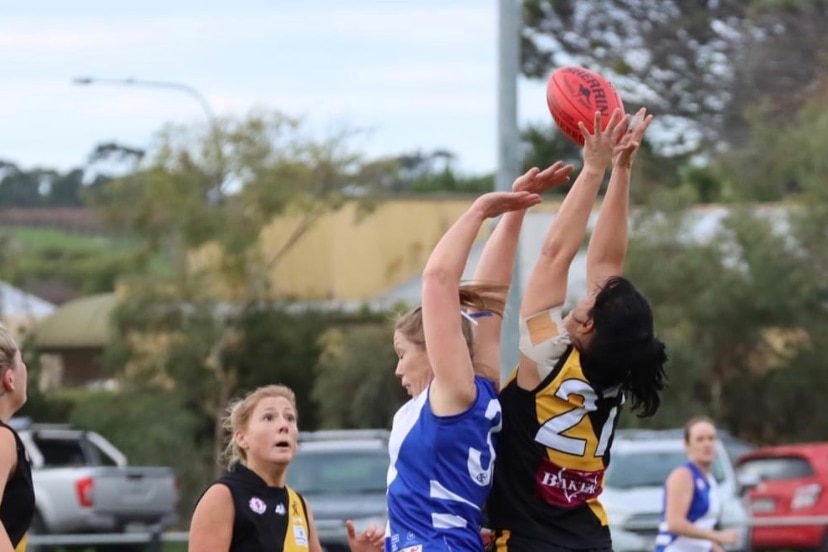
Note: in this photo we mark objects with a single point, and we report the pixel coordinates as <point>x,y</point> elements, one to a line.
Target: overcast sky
<point>419,75</point>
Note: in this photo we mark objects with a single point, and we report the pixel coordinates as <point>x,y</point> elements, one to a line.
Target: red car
<point>789,481</point>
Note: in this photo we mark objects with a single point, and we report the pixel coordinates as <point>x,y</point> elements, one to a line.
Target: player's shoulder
<point>681,476</point>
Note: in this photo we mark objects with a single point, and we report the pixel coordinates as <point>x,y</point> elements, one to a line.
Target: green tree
<point>697,65</point>
<point>186,331</point>
<point>739,307</point>
<point>544,144</point>
<point>421,172</point>
<point>20,188</point>
<point>355,382</point>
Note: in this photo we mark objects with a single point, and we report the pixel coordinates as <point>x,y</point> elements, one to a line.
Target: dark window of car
<point>339,472</point>
<point>71,452</point>
<point>61,452</point>
<point>630,469</point>
<point>770,469</point>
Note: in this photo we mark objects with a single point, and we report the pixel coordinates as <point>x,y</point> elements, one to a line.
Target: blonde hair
<point>8,350</point>
<point>475,297</point>
<point>238,415</point>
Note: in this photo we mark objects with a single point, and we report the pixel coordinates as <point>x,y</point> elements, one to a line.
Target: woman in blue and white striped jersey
<point>691,500</point>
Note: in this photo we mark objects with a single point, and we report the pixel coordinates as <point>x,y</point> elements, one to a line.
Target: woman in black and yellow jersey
<point>561,405</point>
<point>249,508</point>
<point>17,503</point>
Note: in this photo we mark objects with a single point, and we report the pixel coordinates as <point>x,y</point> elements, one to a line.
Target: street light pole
<point>508,156</point>
<point>191,91</point>
<point>181,87</point>
<point>212,121</point>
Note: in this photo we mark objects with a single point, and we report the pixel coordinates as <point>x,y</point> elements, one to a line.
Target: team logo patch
<point>280,509</point>
<point>257,505</point>
<point>567,488</point>
<point>299,535</point>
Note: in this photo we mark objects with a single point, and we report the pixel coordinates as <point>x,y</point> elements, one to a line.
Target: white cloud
<point>455,74</point>
<point>398,25</point>
<point>422,74</point>
<point>59,38</point>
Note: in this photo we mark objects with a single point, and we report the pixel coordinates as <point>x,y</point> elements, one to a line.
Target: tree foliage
<point>355,382</point>
<point>44,187</point>
<point>741,307</point>
<point>212,331</point>
<point>697,65</point>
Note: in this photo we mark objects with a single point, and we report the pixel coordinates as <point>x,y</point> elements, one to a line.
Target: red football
<point>574,94</point>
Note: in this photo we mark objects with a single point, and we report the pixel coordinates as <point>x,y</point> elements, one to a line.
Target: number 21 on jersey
<point>570,431</point>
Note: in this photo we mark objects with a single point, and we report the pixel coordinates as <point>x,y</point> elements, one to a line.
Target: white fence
<point>155,540</point>
<point>152,540</point>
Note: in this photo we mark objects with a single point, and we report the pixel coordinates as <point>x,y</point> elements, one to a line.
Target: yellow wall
<point>348,256</point>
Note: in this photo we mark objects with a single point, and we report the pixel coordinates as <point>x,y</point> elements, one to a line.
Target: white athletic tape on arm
<point>544,339</point>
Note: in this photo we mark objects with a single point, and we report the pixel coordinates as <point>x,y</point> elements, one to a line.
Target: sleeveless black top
<point>267,519</point>
<point>18,500</point>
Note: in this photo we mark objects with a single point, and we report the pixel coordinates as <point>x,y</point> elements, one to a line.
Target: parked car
<point>788,481</point>
<point>634,485</point>
<point>83,484</point>
<point>342,475</point>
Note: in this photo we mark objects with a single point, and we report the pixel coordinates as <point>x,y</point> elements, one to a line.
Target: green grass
<point>49,238</point>
<point>34,242</point>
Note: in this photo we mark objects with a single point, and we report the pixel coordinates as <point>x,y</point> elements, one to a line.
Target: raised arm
<point>608,244</point>
<point>498,258</point>
<point>453,389</point>
<point>547,284</point>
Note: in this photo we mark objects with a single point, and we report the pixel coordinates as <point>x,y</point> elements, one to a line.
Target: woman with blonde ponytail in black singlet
<point>17,501</point>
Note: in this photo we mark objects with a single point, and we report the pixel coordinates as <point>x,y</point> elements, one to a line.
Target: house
<point>71,341</point>
<point>19,311</point>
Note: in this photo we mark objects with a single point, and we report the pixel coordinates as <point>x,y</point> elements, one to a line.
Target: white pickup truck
<point>84,485</point>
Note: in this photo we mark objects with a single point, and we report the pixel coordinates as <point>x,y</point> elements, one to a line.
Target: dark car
<point>342,475</point>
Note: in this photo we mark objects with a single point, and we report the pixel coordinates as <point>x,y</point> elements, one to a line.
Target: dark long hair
<point>624,349</point>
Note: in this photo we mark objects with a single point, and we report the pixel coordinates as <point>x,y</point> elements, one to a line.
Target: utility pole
<point>508,158</point>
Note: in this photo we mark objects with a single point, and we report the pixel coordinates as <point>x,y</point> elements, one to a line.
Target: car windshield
<point>776,468</point>
<point>339,472</point>
<point>630,469</point>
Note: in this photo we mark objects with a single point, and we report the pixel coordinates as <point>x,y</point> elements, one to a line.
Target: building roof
<point>703,223</point>
<point>81,323</point>
<point>534,230</point>
<point>16,303</point>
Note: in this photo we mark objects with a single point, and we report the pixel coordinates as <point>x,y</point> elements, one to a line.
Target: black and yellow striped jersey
<point>551,458</point>
<point>272,519</point>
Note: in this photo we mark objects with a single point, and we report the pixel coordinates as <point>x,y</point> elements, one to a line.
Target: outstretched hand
<point>370,540</point>
<point>495,204</point>
<point>536,181</point>
<point>600,145</point>
<point>624,153</point>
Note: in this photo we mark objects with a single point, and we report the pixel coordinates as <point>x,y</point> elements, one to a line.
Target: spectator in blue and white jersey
<point>691,500</point>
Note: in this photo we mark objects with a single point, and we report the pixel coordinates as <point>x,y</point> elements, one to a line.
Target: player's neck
<point>273,475</point>
<point>704,467</point>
